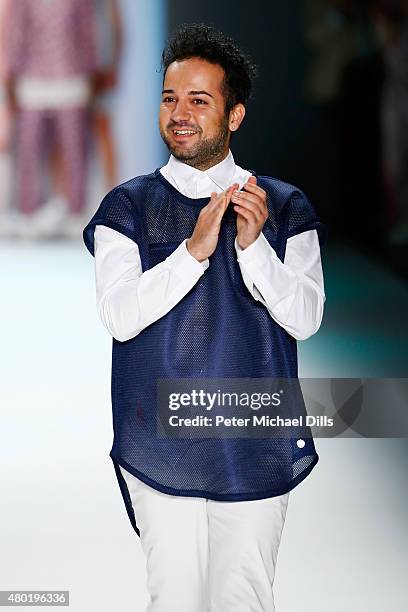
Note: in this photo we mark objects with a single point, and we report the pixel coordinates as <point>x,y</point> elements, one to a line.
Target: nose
<point>180,111</point>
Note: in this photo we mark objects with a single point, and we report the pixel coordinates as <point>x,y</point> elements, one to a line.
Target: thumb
<point>252,179</point>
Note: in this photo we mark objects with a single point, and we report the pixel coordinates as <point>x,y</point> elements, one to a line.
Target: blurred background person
<point>51,61</point>
<point>343,83</point>
<point>392,23</point>
<point>330,45</point>
<point>110,38</point>
<point>362,185</point>
<point>5,122</point>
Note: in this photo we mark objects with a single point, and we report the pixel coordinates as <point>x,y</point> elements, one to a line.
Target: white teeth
<point>183,132</point>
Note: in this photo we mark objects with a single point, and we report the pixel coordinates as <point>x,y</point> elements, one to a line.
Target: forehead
<point>194,74</point>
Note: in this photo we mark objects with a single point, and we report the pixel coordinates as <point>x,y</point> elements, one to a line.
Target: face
<point>193,104</point>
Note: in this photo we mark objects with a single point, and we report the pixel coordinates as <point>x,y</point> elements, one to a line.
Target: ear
<point>236,116</point>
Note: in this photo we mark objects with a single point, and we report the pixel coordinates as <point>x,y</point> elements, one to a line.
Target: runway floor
<point>63,523</point>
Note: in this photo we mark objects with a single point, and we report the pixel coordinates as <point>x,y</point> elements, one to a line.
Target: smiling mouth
<point>183,134</point>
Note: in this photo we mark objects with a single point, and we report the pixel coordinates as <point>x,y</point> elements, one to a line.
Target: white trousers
<point>207,556</point>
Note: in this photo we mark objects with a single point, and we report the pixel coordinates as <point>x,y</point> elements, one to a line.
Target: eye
<point>168,99</point>
<point>200,100</point>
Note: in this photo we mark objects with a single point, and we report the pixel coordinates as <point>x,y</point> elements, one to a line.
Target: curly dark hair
<point>203,41</point>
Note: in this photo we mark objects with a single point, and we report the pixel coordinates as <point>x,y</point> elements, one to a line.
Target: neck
<point>213,161</point>
<point>208,163</point>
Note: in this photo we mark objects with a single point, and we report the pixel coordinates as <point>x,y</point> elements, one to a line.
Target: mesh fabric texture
<point>216,330</point>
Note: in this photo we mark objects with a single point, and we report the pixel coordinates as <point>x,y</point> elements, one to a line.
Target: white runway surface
<point>62,519</point>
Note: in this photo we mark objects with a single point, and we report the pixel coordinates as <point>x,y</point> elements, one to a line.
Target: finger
<point>215,196</point>
<point>259,194</point>
<point>244,213</point>
<point>220,201</point>
<point>250,202</point>
<point>228,192</point>
<point>231,190</point>
<point>227,199</point>
<point>253,188</point>
<point>214,203</point>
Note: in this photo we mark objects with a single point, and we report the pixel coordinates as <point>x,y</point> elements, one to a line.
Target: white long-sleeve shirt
<point>128,300</point>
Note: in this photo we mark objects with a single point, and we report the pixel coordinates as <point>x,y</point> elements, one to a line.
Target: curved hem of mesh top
<point>196,493</point>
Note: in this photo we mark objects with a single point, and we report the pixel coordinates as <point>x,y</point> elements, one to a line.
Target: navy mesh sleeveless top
<point>216,330</point>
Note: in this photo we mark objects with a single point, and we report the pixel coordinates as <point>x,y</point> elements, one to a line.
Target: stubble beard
<point>206,153</point>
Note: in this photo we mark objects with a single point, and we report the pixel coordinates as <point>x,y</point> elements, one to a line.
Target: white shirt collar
<point>193,182</point>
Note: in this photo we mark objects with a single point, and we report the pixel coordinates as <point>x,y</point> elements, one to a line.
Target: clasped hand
<point>252,212</point>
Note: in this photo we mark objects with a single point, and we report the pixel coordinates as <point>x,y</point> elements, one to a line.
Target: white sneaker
<point>7,225</point>
<point>48,221</point>
<point>74,226</point>
<point>17,224</point>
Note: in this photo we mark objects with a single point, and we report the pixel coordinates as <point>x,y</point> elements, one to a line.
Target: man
<point>205,270</point>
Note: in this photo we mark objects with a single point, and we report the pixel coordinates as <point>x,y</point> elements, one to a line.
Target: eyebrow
<point>190,93</point>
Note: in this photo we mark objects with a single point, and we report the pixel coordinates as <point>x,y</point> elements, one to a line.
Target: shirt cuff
<point>258,251</point>
<point>182,257</point>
